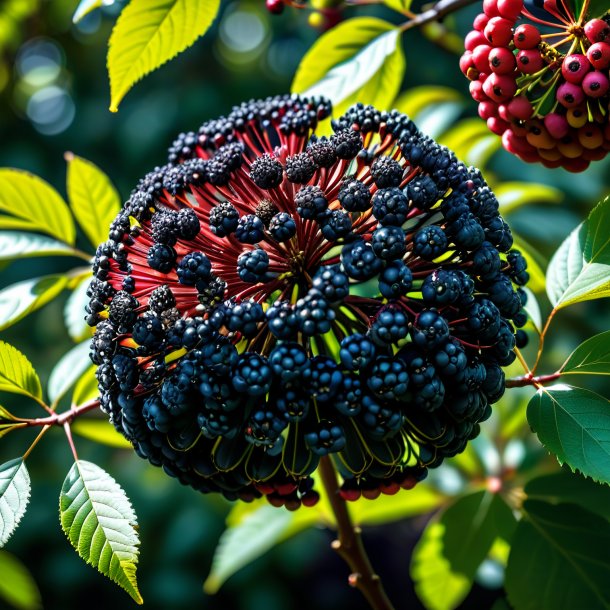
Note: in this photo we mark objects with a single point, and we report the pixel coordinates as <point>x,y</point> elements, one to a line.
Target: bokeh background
<point>54,96</point>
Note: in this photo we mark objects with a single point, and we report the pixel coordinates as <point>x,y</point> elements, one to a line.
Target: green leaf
<point>14,496</point>
<point>592,356</point>
<point>574,424</point>
<point>35,205</point>
<point>6,428</point>
<point>86,387</point>
<point>86,7</point>
<point>360,58</point>
<point>565,486</point>
<point>535,263</point>
<point>21,299</point>
<point>17,245</point>
<point>559,559</point>
<point>149,33</point>
<point>532,308</point>
<point>240,544</point>
<point>74,311</point>
<point>94,200</point>
<point>471,141</point>
<point>416,100</point>
<point>17,375</point>
<point>101,431</point>
<point>513,195</point>
<point>400,6</point>
<point>17,587</point>
<point>100,523</point>
<point>438,587</point>
<point>580,269</point>
<point>68,371</point>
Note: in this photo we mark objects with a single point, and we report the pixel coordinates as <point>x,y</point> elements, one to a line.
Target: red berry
<point>501,60</point>
<point>275,6</point>
<point>490,8</point>
<point>521,108</point>
<point>538,136</point>
<point>480,57</point>
<point>599,55</point>
<point>504,114</point>
<point>474,39</point>
<point>595,84</point>
<point>310,498</point>
<point>371,494</point>
<point>526,36</point>
<point>487,110</point>
<point>480,21</point>
<point>499,31</point>
<point>350,495</point>
<point>497,126</point>
<point>574,67</point>
<point>510,9</point>
<point>476,91</point>
<point>529,61</point>
<point>570,95</point>
<point>556,125</point>
<point>499,87</point>
<point>576,165</point>
<point>597,30</point>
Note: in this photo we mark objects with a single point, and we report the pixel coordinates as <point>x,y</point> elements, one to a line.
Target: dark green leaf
<point>559,559</point>
<point>100,523</point>
<point>574,424</point>
<point>565,486</point>
<point>17,375</point>
<point>14,496</point>
<point>580,269</point>
<point>592,356</point>
<point>17,587</point>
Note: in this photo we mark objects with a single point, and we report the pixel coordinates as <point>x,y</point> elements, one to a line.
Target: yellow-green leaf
<point>149,33</point>
<point>512,195</point>
<point>33,204</point>
<point>86,387</point>
<point>17,375</point>
<point>101,431</point>
<point>401,6</point>
<point>94,200</point>
<point>413,101</point>
<point>17,587</point>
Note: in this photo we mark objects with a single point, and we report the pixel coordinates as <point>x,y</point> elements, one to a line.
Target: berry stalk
<point>349,543</point>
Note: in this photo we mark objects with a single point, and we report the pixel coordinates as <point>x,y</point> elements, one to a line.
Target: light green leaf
<point>21,299</point>
<point>17,375</point>
<point>14,496</point>
<point>68,371</point>
<point>15,244</point>
<point>149,33</point>
<point>580,269</point>
<point>438,587</point>
<point>17,586</point>
<point>592,356</point>
<point>35,205</point>
<point>360,58</point>
<point>74,311</point>
<point>532,309</point>
<point>100,523</point>
<point>401,6</point>
<point>240,544</point>
<point>535,263</point>
<point>574,424</point>
<point>565,486</point>
<point>86,387</point>
<point>471,141</point>
<point>512,195</point>
<point>418,99</point>
<point>94,200</point>
<point>559,559</point>
<point>86,7</point>
<point>101,431</point>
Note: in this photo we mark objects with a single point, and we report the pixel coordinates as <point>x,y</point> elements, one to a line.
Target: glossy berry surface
<point>269,298</point>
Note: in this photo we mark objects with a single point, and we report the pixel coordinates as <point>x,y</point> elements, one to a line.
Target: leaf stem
<point>349,543</point>
<point>68,432</point>
<point>435,13</point>
<point>44,430</point>
<point>542,336</point>
<point>60,419</point>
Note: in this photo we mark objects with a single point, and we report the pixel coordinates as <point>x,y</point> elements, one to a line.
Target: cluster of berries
<point>542,81</point>
<point>269,299</point>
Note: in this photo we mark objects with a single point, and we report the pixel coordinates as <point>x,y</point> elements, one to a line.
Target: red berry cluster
<point>544,88</point>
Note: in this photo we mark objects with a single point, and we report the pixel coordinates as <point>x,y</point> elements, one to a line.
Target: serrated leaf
<point>74,311</point>
<point>592,357</point>
<point>360,58</point>
<point>21,299</point>
<point>86,7</point>
<point>436,585</point>
<point>580,269</point>
<point>513,195</point>
<point>14,496</point>
<point>15,244</point>
<point>574,424</point>
<point>35,205</point>
<point>565,486</point>
<point>240,544</point>
<point>86,387</point>
<point>101,431</point>
<point>17,586</point>
<point>68,371</point>
<point>149,33</point>
<point>17,375</point>
<point>559,559</point>
<point>100,523</point>
<point>94,200</point>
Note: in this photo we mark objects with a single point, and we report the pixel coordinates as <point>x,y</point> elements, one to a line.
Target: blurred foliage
<point>53,98</point>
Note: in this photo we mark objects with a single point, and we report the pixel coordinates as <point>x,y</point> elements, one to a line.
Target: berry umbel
<point>542,79</point>
<point>268,298</point>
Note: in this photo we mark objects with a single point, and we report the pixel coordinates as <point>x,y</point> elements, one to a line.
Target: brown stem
<point>349,544</point>
<point>542,337</point>
<point>59,419</point>
<point>437,12</point>
<point>520,382</point>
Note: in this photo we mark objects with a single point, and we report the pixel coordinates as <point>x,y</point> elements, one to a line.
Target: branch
<point>520,382</point>
<point>349,544</point>
<point>436,13</point>
<point>59,419</point>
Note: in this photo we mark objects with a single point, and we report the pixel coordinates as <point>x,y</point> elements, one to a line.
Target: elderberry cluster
<point>269,299</point>
<point>542,80</point>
